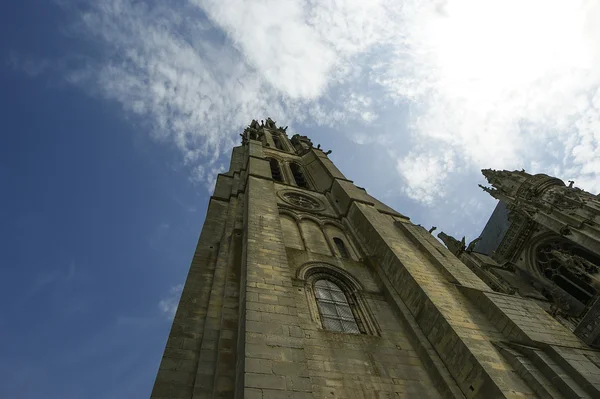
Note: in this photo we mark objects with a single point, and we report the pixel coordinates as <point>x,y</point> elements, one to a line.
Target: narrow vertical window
<point>277,142</point>
<point>298,175</point>
<point>275,170</point>
<point>334,309</point>
<point>341,247</point>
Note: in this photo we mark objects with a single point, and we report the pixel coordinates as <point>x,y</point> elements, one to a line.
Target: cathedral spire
<point>505,183</point>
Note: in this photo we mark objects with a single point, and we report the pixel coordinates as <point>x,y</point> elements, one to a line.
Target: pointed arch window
<point>341,247</point>
<point>336,301</point>
<point>277,142</point>
<point>334,308</point>
<point>299,177</point>
<point>275,169</point>
<point>570,267</point>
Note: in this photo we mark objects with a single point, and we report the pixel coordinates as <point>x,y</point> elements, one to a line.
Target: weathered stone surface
<point>402,317</point>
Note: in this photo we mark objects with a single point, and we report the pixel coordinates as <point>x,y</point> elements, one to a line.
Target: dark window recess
<point>341,247</point>
<point>334,308</point>
<point>571,268</point>
<point>277,143</point>
<point>252,135</point>
<point>298,175</point>
<point>275,169</point>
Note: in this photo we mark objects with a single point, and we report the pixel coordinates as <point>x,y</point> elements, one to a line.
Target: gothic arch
<point>292,237</point>
<point>333,231</point>
<point>309,268</point>
<point>298,172</point>
<point>287,212</point>
<point>315,219</point>
<point>333,223</point>
<point>562,264</point>
<point>276,169</point>
<point>314,272</point>
<point>313,235</point>
<point>278,141</point>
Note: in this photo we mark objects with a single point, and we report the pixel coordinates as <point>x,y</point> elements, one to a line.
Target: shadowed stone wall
<point>250,324</point>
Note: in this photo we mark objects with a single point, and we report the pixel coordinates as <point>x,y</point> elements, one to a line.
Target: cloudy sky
<point>118,115</point>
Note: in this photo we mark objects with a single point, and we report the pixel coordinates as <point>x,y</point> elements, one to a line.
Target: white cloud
<point>168,304</point>
<point>503,84</point>
<point>481,83</point>
<point>426,174</point>
<point>276,40</point>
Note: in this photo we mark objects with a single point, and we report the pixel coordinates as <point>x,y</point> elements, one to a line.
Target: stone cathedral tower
<point>304,286</point>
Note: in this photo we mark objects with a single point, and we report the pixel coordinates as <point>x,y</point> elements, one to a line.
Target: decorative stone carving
<point>472,244</point>
<point>270,123</point>
<point>301,200</point>
<point>575,263</point>
<point>455,246</point>
<point>298,140</point>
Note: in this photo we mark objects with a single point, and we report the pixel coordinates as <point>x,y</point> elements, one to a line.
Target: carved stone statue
<point>488,190</point>
<point>432,229</point>
<point>455,246</point>
<point>297,139</point>
<point>472,244</point>
<point>270,123</point>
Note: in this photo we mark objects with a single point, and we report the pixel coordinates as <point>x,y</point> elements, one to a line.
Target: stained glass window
<point>334,308</point>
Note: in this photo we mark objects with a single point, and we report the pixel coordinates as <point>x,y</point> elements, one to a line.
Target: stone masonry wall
<point>343,365</point>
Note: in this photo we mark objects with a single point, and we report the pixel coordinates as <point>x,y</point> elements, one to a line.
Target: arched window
<point>298,175</point>
<point>275,169</point>
<point>277,142</point>
<point>334,308</point>
<point>335,299</point>
<point>341,247</point>
<point>570,267</point>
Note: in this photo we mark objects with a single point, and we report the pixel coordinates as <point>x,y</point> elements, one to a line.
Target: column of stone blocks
<point>274,354</point>
<point>176,375</point>
<point>227,352</point>
<point>206,372</point>
<point>458,330</point>
<point>224,378</point>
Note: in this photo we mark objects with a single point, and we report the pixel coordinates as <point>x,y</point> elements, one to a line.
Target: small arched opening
<point>275,170</point>
<point>341,247</point>
<point>298,174</point>
<point>277,142</point>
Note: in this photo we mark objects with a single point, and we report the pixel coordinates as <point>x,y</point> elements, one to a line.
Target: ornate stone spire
<point>505,183</point>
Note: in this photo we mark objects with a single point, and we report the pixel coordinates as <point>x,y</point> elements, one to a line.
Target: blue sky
<point>118,114</point>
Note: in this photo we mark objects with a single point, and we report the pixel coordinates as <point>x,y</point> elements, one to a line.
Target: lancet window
<point>341,247</point>
<point>298,174</point>
<point>277,142</point>
<point>275,169</point>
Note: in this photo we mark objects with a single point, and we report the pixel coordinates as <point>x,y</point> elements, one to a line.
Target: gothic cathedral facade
<point>303,285</point>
